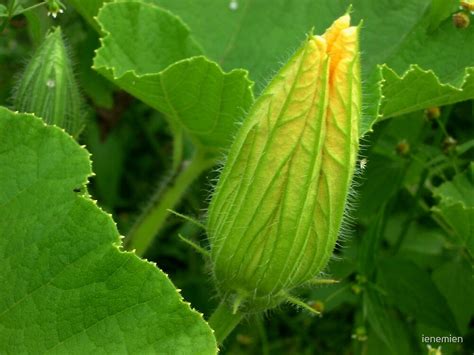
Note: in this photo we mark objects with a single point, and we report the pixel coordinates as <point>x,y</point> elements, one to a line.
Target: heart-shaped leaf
<point>194,94</point>
<point>66,286</point>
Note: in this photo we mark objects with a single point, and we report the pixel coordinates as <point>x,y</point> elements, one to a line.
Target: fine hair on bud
<point>48,88</point>
<point>285,191</point>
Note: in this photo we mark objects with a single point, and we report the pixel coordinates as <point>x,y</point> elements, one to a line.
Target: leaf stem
<point>195,246</point>
<point>177,149</point>
<point>223,321</point>
<point>263,335</point>
<point>153,218</point>
<point>30,8</point>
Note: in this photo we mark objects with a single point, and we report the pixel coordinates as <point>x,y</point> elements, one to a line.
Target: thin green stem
<point>223,321</point>
<point>153,218</point>
<point>444,131</point>
<point>301,304</point>
<point>30,8</point>
<point>189,219</point>
<point>195,246</point>
<point>263,335</point>
<point>442,127</point>
<point>178,148</point>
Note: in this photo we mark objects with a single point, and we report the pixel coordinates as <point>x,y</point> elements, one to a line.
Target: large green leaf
<point>399,33</point>
<point>258,34</point>
<point>66,286</point>
<point>141,43</point>
<point>242,37</point>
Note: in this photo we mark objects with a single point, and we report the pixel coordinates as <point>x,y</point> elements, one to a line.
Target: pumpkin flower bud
<point>48,88</point>
<point>278,206</point>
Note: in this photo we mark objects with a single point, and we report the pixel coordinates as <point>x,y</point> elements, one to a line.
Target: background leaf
<point>108,171</point>
<point>441,10</point>
<point>88,9</point>
<point>460,189</point>
<point>193,94</point>
<point>258,42</point>
<point>411,289</point>
<point>454,280</point>
<point>396,33</point>
<point>456,206</point>
<point>69,287</point>
<point>391,330</point>
<point>3,11</point>
<point>371,243</point>
<point>418,89</point>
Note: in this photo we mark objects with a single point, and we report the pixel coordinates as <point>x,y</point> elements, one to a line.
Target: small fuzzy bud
<point>433,113</point>
<point>403,147</point>
<point>48,88</point>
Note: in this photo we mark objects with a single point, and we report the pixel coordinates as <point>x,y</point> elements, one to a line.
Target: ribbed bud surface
<point>278,206</point>
<point>48,88</point>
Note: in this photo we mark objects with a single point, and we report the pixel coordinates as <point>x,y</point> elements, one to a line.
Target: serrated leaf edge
<point>116,76</point>
<point>118,244</point>
<point>468,72</point>
<point>113,70</point>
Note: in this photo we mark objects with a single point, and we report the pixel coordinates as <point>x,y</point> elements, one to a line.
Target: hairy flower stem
<point>223,321</point>
<point>154,216</point>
